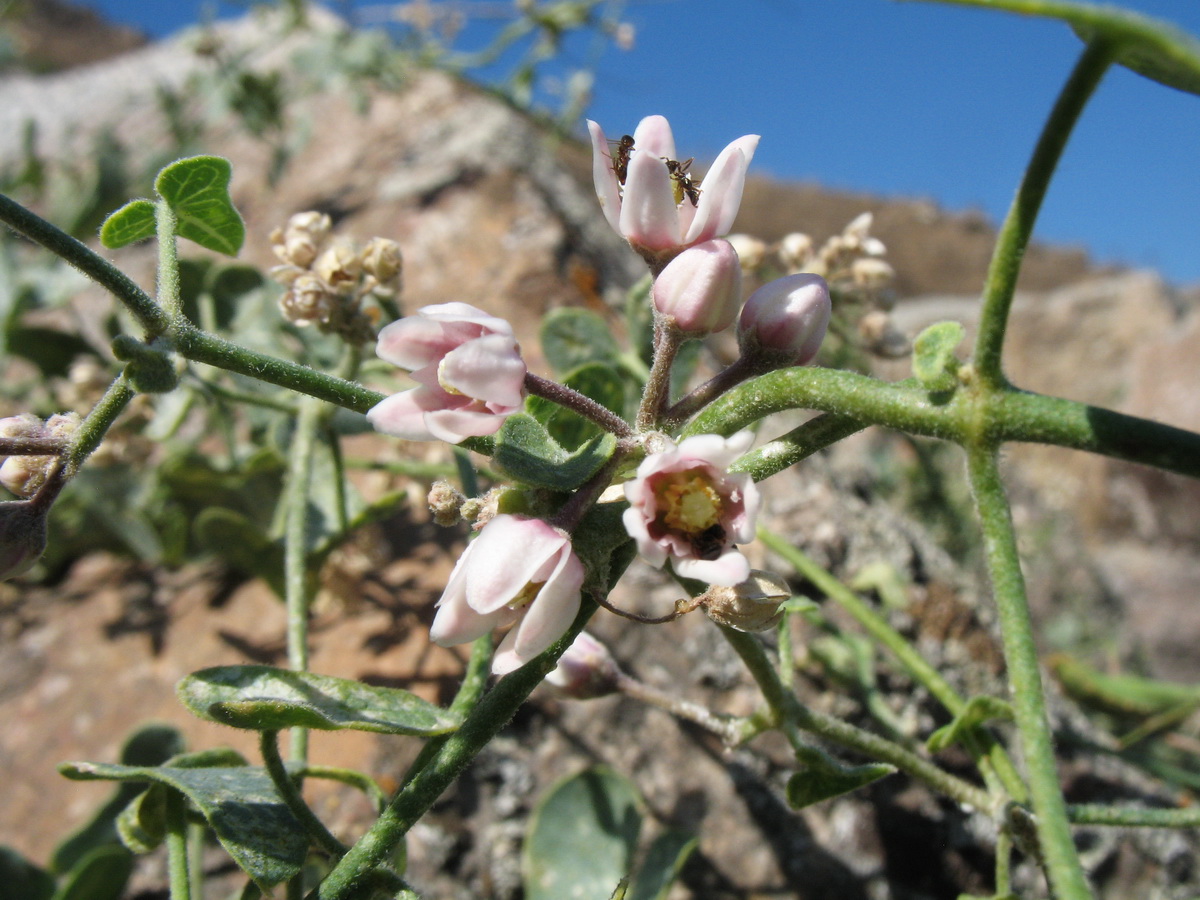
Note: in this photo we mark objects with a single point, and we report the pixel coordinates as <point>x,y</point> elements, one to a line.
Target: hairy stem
<point>1025,682</point>
<point>1014,235</point>
<point>577,402</point>
<point>268,743</point>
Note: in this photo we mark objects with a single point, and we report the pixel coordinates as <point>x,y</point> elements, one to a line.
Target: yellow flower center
<point>688,503</point>
<point>526,595</point>
<point>446,385</point>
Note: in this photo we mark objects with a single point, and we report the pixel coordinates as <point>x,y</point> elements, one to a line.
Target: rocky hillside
<point>489,212</point>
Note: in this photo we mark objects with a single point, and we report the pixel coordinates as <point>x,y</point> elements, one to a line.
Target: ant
<point>620,158</point>
<point>709,543</point>
<point>684,186</point>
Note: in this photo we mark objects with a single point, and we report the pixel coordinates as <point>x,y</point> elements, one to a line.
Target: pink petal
<point>730,569</point>
<point>649,215</point>
<point>552,613</point>
<point>416,341</point>
<point>604,177</point>
<point>465,312</point>
<point>721,193</point>
<point>648,548</point>
<point>510,552</point>
<point>489,368</point>
<point>456,425</point>
<point>457,623</point>
<point>403,415</point>
<point>653,137</point>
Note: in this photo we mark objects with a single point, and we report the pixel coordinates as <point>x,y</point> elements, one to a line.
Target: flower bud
<point>299,243</point>
<point>308,300</point>
<point>586,670</point>
<point>753,605</point>
<point>338,266</point>
<point>784,321</point>
<point>381,260</point>
<point>795,250</point>
<point>445,503</point>
<point>751,251</point>
<point>700,288</point>
<point>22,537</point>
<point>871,273</point>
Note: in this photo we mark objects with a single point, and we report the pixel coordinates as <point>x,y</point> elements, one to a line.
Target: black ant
<point>709,544</point>
<point>684,186</point>
<point>620,158</point>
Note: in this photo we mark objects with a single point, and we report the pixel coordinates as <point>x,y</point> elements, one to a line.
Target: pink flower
<point>650,207</point>
<point>520,571</point>
<point>684,505</point>
<point>701,288</point>
<point>784,321</point>
<point>586,670</point>
<point>468,368</point>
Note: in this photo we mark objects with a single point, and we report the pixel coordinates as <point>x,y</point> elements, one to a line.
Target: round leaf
<point>572,337</point>
<point>826,782</point>
<point>527,452</point>
<point>266,698</point>
<point>131,223</point>
<point>582,837</point>
<point>197,190</point>
<point>933,361</point>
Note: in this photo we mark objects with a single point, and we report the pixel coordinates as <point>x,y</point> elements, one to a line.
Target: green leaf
<point>527,452</point>
<point>1155,49</point>
<point>51,350</point>
<point>142,824</point>
<point>148,746</point>
<point>197,190</point>
<point>934,362</point>
<point>581,837</point>
<point>131,223</point>
<point>101,875</point>
<point>597,381</point>
<point>241,544</point>
<point>573,337</point>
<point>239,803</point>
<point>22,880</point>
<point>263,697</point>
<point>664,861</point>
<point>824,782</point>
<point>977,711</point>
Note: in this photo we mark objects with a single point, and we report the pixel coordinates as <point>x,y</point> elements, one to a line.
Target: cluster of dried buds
<point>328,278</point>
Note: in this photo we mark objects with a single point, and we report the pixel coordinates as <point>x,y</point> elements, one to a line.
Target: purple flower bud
<point>784,321</point>
<point>701,288</point>
<point>586,670</point>
<point>22,537</point>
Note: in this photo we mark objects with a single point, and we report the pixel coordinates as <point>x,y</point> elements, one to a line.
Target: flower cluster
<point>327,279</point>
<point>24,476</point>
<point>685,507</point>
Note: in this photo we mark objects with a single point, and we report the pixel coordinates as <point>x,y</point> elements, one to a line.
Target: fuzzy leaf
<point>977,711</point>
<point>662,865</point>
<point>101,875</point>
<point>933,361</point>
<point>197,190</point>
<point>263,697</point>
<point>573,337</point>
<point>582,837</point>
<point>817,783</point>
<point>131,223</point>
<point>527,452</point>
<point>22,880</point>
<point>241,806</point>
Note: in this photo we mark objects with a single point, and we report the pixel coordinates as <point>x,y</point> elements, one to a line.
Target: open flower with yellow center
<point>685,506</point>
<point>520,572</point>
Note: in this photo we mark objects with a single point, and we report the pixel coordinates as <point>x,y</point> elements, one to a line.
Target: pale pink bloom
<point>784,321</point>
<point>701,288</point>
<point>646,210</point>
<point>468,368</point>
<point>685,506</point>
<point>520,572</point>
<point>586,670</point>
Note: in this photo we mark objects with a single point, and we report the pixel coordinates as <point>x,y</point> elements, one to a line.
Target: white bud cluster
<point>328,278</point>
<point>23,476</point>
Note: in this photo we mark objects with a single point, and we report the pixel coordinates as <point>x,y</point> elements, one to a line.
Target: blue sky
<point>900,99</point>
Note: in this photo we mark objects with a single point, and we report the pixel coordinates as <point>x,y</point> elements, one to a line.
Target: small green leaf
<point>573,337</point>
<point>664,861</point>
<point>582,837</point>
<point>197,190</point>
<point>22,880</point>
<point>1155,49</point>
<point>263,697</point>
<point>131,223</point>
<point>597,381</point>
<point>977,711</point>
<point>241,806</point>
<point>934,362</point>
<point>824,782</point>
<point>101,875</point>
<point>527,452</point>
<point>142,824</point>
<point>241,544</point>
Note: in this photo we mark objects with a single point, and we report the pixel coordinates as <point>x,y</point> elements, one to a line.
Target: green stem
<point>667,341</point>
<point>454,753</point>
<point>1001,282</point>
<point>298,579</point>
<point>177,849</point>
<point>1025,682</point>
<point>91,264</point>
<point>354,779</point>
<point>268,743</point>
<point>1132,817</point>
<point>786,710</point>
<point>92,430</point>
<point>987,751</point>
<point>169,299</point>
